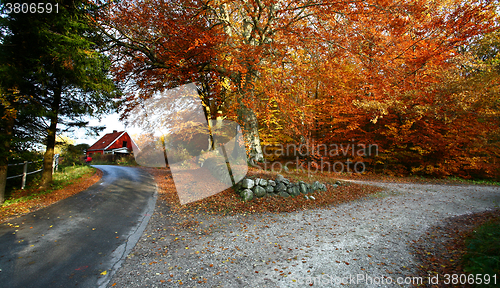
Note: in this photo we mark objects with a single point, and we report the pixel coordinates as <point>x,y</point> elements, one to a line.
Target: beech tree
<point>162,44</point>
<point>309,71</point>
<point>388,82</point>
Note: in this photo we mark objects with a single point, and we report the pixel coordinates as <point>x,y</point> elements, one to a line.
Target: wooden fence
<point>55,165</point>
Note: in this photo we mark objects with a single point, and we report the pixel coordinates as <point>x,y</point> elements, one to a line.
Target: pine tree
<point>54,61</point>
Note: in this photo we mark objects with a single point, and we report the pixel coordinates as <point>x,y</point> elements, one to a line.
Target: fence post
<point>55,163</point>
<point>25,171</point>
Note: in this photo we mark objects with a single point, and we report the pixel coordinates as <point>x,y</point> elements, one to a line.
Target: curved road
<point>80,241</point>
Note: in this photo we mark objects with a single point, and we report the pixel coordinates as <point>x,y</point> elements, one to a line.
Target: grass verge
<point>483,252</point>
<point>381,177</point>
<point>462,245</point>
<point>474,181</point>
<point>67,182</point>
<point>416,179</point>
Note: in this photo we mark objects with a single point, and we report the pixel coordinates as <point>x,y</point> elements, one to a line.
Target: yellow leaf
<point>104,272</point>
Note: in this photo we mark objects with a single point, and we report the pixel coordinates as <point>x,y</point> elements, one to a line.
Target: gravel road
<point>364,243</point>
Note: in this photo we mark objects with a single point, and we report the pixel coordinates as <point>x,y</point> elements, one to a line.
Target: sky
<point>157,111</point>
<point>111,122</point>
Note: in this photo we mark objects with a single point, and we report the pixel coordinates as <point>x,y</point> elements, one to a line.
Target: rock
<point>338,182</point>
<point>247,183</point>
<point>281,179</point>
<point>335,185</point>
<point>280,187</point>
<point>263,182</point>
<point>303,188</point>
<point>249,188</point>
<point>269,189</point>
<point>259,191</point>
<point>322,187</point>
<point>315,186</point>
<point>284,194</point>
<point>246,195</point>
<point>293,191</point>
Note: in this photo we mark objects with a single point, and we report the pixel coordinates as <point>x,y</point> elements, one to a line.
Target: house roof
<point>106,141</point>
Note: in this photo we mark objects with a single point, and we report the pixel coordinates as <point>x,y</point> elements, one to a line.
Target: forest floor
<point>382,232</point>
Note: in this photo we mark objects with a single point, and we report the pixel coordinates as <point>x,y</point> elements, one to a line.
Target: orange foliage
<point>393,77</point>
<point>381,72</point>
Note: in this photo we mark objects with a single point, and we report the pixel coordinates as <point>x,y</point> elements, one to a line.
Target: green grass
<point>475,181</point>
<point>62,178</point>
<point>108,160</point>
<point>66,175</point>
<point>483,252</point>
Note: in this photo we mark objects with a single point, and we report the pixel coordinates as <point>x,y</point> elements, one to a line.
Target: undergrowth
<point>483,252</point>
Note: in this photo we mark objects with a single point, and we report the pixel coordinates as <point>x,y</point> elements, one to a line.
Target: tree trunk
<point>164,147</point>
<point>247,117</point>
<point>211,143</point>
<point>3,181</point>
<point>5,152</point>
<point>48,157</point>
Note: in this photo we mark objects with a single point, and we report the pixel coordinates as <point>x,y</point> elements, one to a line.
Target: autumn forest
<point>418,80</point>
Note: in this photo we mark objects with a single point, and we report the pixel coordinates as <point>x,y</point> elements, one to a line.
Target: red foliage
<point>382,72</point>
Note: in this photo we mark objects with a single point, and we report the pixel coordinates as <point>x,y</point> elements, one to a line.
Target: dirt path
<point>344,244</point>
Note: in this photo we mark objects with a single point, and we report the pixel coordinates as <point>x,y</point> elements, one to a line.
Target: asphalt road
<point>80,241</point>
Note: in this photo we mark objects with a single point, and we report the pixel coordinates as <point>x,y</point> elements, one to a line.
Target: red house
<point>112,143</point>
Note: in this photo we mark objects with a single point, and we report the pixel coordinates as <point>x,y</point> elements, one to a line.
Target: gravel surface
<point>364,243</point>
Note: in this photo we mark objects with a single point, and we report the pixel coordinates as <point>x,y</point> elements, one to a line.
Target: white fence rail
<point>55,165</point>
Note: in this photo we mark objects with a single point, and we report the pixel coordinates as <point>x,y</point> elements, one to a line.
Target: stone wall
<point>249,188</point>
